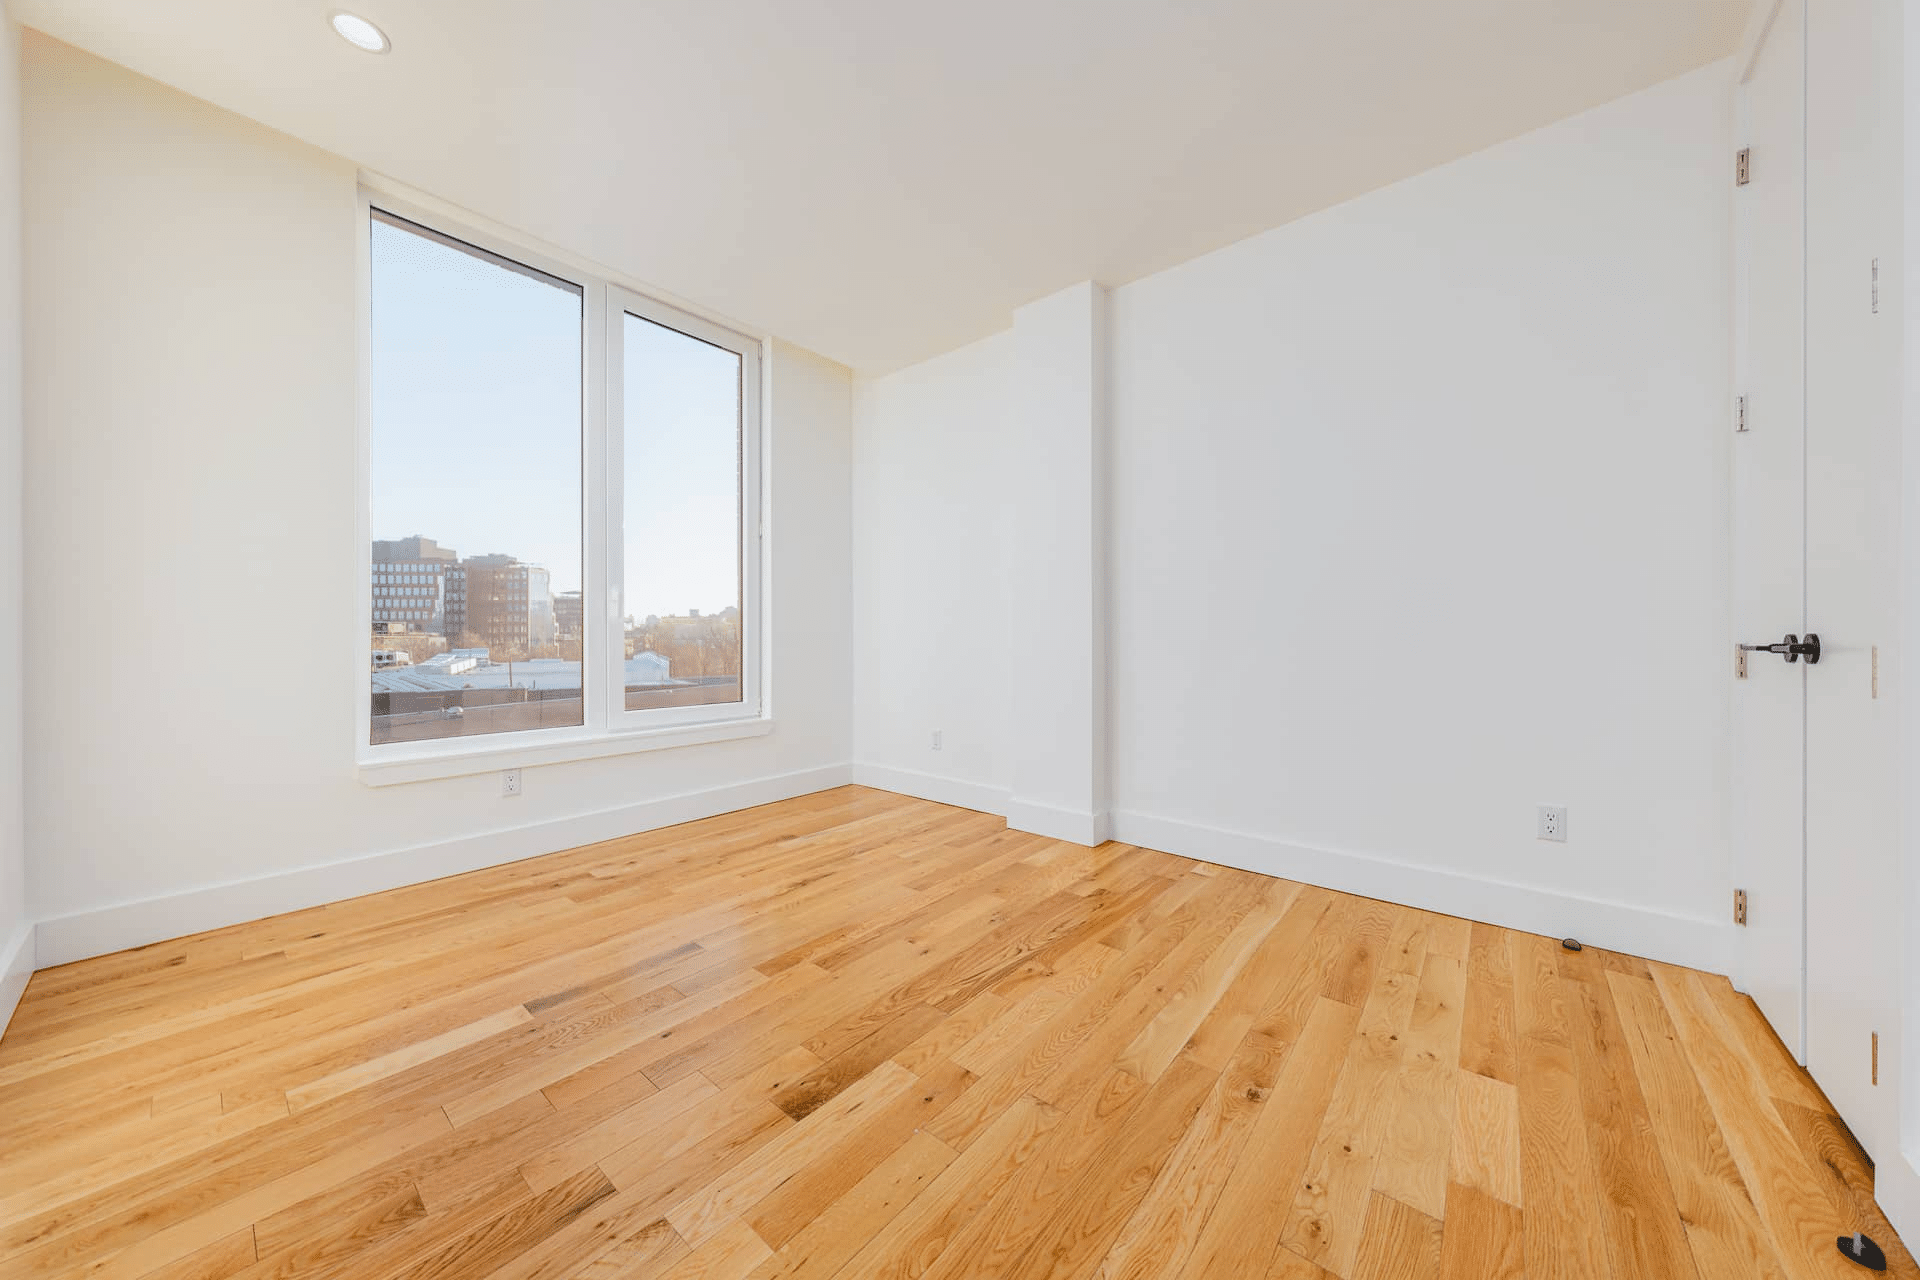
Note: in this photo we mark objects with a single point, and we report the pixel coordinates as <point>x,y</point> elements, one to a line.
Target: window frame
<point>620,302</point>
<point>608,728</point>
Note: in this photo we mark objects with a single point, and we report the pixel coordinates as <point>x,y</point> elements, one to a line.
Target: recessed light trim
<point>360,33</point>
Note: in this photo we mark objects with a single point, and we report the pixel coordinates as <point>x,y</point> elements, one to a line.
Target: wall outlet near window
<point>936,739</point>
<point>1553,823</point>
<point>510,782</point>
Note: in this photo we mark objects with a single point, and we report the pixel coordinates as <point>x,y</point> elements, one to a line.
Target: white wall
<point>1419,512</point>
<point>16,934</point>
<point>932,573</point>
<point>190,471</point>
<point>1418,521</point>
<point>958,460</point>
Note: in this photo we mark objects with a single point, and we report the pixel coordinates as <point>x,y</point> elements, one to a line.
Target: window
<point>681,405</point>
<point>537,435</point>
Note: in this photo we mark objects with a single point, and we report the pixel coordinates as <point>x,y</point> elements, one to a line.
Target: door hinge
<point>1740,413</point>
<point>1876,286</point>
<point>1743,167</point>
<point>1739,663</point>
<point>1876,1058</point>
<point>1740,906</point>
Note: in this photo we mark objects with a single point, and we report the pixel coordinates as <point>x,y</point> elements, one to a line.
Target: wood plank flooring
<point>860,1035</point>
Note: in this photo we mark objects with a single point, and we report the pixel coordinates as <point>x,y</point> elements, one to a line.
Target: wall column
<point>1057,479</point>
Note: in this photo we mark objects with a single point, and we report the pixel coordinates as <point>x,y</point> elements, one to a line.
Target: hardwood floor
<point>859,1035</point>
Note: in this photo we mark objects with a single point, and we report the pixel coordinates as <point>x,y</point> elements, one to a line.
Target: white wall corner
<point>929,786</point>
<point>1088,827</point>
<point>18,960</point>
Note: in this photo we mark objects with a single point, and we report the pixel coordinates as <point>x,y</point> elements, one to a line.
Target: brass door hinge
<point>1739,906</point>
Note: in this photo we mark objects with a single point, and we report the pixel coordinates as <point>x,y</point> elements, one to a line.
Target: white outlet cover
<point>1551,824</point>
<point>510,782</point>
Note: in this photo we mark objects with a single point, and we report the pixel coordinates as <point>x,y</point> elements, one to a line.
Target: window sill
<point>468,760</point>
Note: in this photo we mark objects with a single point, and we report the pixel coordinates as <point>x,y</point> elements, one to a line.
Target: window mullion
<point>599,506</point>
<point>611,544</point>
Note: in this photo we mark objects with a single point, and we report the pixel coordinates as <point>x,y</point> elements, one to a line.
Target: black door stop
<point>1863,1251</point>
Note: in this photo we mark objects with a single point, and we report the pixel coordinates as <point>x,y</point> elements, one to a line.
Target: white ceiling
<point>881,182</point>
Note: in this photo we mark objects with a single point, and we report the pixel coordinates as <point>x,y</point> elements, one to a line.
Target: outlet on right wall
<point>1418,517</point>
<point>1415,518</point>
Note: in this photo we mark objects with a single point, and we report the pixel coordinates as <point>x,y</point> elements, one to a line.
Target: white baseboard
<point>1696,942</point>
<point>135,924</point>
<point>1055,823</point>
<point>17,963</point>
<point>1022,815</point>
<point>1693,941</point>
<point>931,786</point>
<point>1896,1188</point>
<point>1658,935</point>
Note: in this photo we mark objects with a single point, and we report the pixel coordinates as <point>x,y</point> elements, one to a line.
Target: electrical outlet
<point>510,783</point>
<point>1553,823</point>
<point>936,739</point>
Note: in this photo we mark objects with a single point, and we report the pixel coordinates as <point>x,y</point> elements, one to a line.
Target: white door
<point>1769,530</point>
<point>1854,921</point>
<point>1816,532</point>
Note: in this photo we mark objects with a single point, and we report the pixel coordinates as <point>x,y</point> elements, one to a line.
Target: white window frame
<point>609,728</point>
<point>620,302</point>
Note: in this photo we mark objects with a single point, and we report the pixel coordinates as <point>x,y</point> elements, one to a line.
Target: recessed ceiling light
<point>360,33</point>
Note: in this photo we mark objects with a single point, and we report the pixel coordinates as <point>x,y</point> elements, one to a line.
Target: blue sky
<point>476,427</point>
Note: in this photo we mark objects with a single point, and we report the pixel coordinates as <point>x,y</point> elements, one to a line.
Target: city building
<point>569,617</point>
<point>496,601</point>
<point>421,587</point>
<point>409,584</point>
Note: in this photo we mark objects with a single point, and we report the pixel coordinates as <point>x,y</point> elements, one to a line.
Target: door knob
<point>1793,648</point>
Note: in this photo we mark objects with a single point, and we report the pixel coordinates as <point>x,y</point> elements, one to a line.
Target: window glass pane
<point>681,404</point>
<point>476,488</point>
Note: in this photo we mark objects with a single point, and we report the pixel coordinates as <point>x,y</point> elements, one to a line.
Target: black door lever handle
<point>1793,648</point>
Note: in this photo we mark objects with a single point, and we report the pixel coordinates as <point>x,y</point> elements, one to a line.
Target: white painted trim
<point>1641,931</point>
<point>134,924</point>
<point>930,786</point>
<point>1022,815</point>
<point>1896,1189</point>
<point>751,494</point>
<point>18,959</point>
<point>1059,824</point>
<point>529,754</point>
<point>593,534</point>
